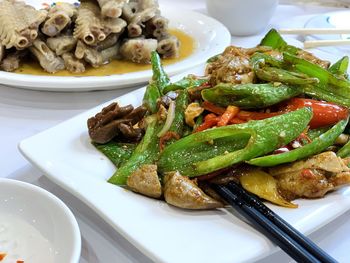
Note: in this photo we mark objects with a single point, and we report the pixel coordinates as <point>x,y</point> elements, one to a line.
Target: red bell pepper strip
<point>231,111</point>
<point>324,113</point>
<point>213,108</point>
<point>210,121</point>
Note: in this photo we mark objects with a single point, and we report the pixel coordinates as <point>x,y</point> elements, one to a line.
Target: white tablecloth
<point>24,113</point>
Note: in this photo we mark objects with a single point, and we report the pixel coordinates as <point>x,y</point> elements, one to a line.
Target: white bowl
<point>242,17</point>
<point>36,226</point>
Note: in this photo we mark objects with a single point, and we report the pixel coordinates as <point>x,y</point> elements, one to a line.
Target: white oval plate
<point>164,233</point>
<point>211,37</point>
<point>36,226</point>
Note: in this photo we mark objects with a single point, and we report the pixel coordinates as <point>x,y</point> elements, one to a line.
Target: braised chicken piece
<point>312,58</point>
<point>145,181</point>
<point>182,192</point>
<point>113,121</point>
<point>12,61</point>
<point>232,66</point>
<point>313,177</point>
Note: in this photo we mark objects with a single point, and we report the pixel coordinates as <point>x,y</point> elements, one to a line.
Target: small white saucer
<point>36,226</point>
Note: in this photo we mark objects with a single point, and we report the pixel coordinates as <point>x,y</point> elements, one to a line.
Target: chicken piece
<point>145,181</point>
<point>73,64</point>
<point>58,18</point>
<point>182,192</point>
<point>313,177</point>
<point>168,47</point>
<point>61,44</point>
<point>232,66</point>
<point>46,57</point>
<point>12,61</point>
<point>192,111</point>
<point>138,50</point>
<point>313,59</point>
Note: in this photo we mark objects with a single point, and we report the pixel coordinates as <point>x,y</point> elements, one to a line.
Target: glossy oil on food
<point>187,47</point>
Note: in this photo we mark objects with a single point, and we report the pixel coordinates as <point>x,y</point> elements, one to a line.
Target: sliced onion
<point>169,119</point>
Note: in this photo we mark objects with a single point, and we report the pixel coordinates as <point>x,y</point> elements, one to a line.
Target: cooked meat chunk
<point>12,61</point>
<point>145,181</point>
<point>312,58</point>
<point>2,52</point>
<point>313,177</point>
<point>112,121</point>
<point>182,192</point>
<point>232,66</point>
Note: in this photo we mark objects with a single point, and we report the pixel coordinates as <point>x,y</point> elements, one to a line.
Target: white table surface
<point>24,113</point>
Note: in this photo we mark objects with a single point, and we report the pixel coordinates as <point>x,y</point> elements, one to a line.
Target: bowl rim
<point>76,235</point>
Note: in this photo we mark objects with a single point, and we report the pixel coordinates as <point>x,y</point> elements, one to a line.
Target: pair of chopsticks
<point>295,244</point>
<point>321,31</point>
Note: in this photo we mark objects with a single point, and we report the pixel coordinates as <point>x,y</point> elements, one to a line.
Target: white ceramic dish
<point>211,38</point>
<point>162,232</point>
<point>340,19</point>
<point>237,15</point>
<point>36,226</point>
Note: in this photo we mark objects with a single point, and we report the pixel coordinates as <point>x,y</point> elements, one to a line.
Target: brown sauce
<point>187,46</point>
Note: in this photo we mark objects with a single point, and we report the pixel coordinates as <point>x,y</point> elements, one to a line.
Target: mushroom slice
<point>180,191</point>
<point>145,181</point>
<point>192,111</point>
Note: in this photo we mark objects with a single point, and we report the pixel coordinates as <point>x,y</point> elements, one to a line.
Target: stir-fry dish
<point>67,36</point>
<point>273,118</point>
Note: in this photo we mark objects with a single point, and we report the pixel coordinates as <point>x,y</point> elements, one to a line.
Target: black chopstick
<point>307,243</point>
<point>258,217</point>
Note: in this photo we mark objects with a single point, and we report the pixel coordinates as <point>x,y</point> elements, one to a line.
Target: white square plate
<point>162,232</point>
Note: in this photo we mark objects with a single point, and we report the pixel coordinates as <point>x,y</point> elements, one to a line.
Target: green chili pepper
<point>151,97</point>
<point>146,152</point>
<point>336,84</point>
<point>213,58</point>
<point>261,65</point>
<point>314,133</point>
<point>155,89</point>
<point>199,121</point>
<point>318,92</point>
<point>316,146</point>
<point>160,78</point>
<point>190,81</point>
<point>180,107</point>
<point>262,58</point>
<point>272,74</point>
<point>274,39</point>
<point>257,138</point>
<point>344,151</point>
<point>117,152</point>
<point>340,67</point>
<point>247,96</point>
